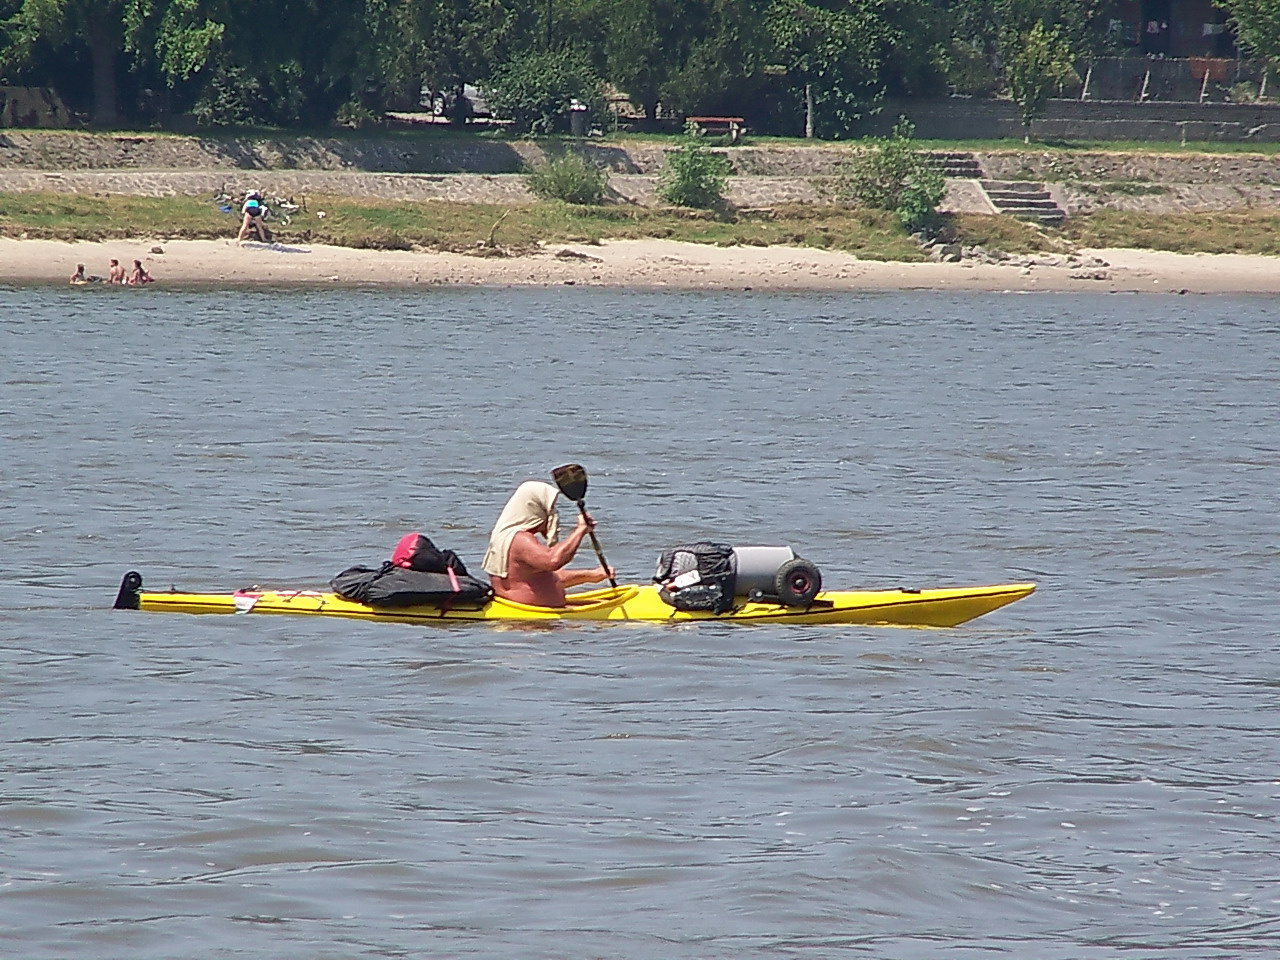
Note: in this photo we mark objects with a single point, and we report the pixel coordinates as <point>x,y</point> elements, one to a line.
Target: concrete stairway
<point>955,165</point>
<point>1026,201</point>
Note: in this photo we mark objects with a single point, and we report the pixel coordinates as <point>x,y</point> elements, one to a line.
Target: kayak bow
<point>946,607</point>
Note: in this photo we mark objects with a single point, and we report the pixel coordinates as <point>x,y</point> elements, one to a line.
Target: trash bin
<point>577,118</point>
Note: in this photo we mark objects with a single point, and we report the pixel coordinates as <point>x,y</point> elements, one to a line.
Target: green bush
<point>892,175</point>
<point>1243,92</point>
<point>232,97</point>
<point>967,71</point>
<point>570,177</point>
<point>535,89</point>
<point>693,176</point>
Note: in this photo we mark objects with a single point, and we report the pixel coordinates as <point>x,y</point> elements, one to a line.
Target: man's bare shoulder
<point>528,550</point>
<point>524,541</point>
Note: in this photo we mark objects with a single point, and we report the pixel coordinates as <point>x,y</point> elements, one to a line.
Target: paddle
<point>572,481</point>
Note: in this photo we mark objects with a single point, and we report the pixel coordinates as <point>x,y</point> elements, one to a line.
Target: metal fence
<point>1190,79</point>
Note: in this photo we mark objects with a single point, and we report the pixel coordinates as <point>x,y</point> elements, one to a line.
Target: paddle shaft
<point>595,544</point>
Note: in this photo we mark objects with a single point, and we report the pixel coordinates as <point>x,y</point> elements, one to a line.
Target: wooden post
<point>808,111</point>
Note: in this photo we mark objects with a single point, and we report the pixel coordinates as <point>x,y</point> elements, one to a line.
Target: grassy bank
<point>410,133</point>
<point>1240,231</point>
<point>439,225</point>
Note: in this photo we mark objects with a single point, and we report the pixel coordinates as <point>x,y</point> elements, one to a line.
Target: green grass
<point>1001,233</point>
<point>449,132</point>
<point>1098,146</point>
<point>1009,145</point>
<point>438,225</point>
<point>461,227</point>
<point>444,132</point>
<point>1241,231</point>
<point>60,216</point>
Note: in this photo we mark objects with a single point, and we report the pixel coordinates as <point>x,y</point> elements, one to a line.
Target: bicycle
<point>283,209</point>
<point>223,200</point>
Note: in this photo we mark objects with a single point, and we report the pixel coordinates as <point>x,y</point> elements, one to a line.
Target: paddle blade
<point>572,481</point>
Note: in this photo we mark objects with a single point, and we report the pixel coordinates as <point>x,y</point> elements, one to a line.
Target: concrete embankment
<point>465,168</point>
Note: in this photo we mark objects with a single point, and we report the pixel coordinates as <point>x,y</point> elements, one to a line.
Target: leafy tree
<point>1039,62</point>
<point>644,44</point>
<point>826,47</point>
<point>722,70</point>
<point>1257,24</point>
<point>463,41</point>
<point>231,96</point>
<point>310,58</point>
<point>99,23</point>
<point>984,34</point>
<point>841,56</point>
<point>535,89</point>
<point>173,36</point>
<point>182,37</point>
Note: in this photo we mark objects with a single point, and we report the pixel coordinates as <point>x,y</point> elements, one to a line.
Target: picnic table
<point>732,127</point>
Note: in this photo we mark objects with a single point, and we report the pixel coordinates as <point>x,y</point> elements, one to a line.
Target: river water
<point>1090,773</point>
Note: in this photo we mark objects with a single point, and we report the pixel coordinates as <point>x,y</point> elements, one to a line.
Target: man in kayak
<point>525,561</point>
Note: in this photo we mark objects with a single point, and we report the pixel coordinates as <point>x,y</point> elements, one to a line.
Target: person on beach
<point>255,213</point>
<point>138,275</point>
<point>525,561</point>
<point>115,272</point>
<point>78,278</point>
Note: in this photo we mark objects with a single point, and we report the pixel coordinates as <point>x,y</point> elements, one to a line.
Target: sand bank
<point>654,264</point>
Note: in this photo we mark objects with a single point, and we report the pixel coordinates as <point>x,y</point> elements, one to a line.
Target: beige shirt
<point>532,505</point>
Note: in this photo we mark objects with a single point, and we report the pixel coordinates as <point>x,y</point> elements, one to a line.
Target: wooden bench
<point>732,127</point>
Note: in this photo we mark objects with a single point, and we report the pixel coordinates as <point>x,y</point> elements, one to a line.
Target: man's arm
<point>534,554</point>
<point>575,578</point>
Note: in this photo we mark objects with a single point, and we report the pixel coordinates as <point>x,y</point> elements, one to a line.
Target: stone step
<point>1040,216</point>
<point>1006,192</point>
<point>1036,208</point>
<point>1014,186</point>
<point>1025,200</point>
<point>956,165</point>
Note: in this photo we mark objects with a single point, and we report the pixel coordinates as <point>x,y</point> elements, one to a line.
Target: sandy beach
<point>636,263</point>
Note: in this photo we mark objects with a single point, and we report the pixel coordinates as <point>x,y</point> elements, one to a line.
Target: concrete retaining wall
<point>1098,167</point>
<point>764,176</point>
<point>388,154</point>
<point>966,118</point>
<point>68,152</point>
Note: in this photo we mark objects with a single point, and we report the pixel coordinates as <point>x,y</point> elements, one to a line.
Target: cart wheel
<point>797,582</point>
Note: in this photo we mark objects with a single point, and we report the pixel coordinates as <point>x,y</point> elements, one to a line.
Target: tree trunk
<point>808,111</point>
<point>104,50</point>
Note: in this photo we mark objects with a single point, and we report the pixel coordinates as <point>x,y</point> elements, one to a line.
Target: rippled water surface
<point>1090,773</point>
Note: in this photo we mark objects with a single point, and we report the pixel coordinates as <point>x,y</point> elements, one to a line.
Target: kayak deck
<point>945,607</point>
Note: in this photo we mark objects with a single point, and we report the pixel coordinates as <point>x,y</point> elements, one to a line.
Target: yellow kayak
<point>945,607</point>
